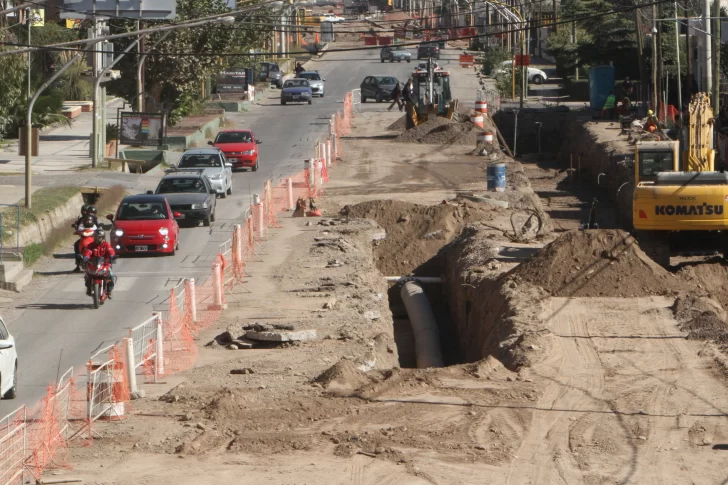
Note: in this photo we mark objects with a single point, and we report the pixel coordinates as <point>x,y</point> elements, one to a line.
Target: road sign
<point>526,60</point>
<point>135,9</point>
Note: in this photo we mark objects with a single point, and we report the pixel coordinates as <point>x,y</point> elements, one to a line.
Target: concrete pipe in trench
<point>424,326</point>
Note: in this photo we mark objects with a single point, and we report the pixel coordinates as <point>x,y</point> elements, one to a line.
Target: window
<point>386,80</point>
<point>652,163</point>
<point>296,83</point>
<point>4,334</point>
<point>313,76</point>
<point>234,137</point>
<point>140,211</point>
<point>176,186</point>
<point>199,161</point>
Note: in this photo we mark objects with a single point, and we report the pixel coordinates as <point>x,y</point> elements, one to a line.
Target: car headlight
<point>163,231</point>
<point>118,233</point>
<point>199,206</point>
<point>249,152</point>
<point>217,176</point>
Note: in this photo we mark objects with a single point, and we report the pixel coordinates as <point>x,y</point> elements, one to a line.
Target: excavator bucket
<point>700,156</point>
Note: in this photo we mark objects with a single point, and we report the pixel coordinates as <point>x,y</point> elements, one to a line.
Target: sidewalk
<point>61,149</point>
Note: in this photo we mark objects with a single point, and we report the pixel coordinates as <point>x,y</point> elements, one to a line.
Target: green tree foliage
<point>176,80</point>
<point>73,86</point>
<point>13,92</point>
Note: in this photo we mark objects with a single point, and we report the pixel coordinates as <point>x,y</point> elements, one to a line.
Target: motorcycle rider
<point>100,248</point>
<point>84,229</point>
<point>91,211</point>
<point>80,219</point>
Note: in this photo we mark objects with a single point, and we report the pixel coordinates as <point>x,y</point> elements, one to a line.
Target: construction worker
<point>651,125</point>
<point>609,105</point>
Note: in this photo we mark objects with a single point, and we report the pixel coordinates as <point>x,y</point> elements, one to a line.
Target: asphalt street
<point>58,328</point>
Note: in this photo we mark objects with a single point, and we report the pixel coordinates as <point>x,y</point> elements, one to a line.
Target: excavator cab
<point>432,88</point>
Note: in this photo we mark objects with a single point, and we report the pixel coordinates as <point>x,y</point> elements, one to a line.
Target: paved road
<point>58,317</point>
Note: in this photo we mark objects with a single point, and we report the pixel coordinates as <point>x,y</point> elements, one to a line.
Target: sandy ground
<point>618,394</point>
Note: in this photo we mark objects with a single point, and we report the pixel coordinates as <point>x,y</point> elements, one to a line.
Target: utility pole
<point>677,51</point>
<point>555,23</point>
<point>641,56</point>
<point>688,61</point>
<point>29,126</point>
<point>707,59</point>
<point>655,98</point>
<point>716,57</point>
<point>524,69</point>
<point>659,61</point>
<point>140,77</point>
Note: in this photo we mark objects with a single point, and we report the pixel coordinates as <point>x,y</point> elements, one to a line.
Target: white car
<point>8,364</point>
<point>330,17</point>
<point>214,166</point>
<point>535,76</point>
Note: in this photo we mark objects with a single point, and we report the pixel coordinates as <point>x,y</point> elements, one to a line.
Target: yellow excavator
<point>678,201</point>
<point>432,91</point>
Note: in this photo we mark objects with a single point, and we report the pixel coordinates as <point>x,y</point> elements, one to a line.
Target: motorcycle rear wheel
<point>97,295</point>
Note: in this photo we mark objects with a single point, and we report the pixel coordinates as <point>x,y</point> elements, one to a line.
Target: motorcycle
<point>98,271</point>
<point>86,237</point>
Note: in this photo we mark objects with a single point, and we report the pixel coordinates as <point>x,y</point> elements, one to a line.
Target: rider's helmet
<point>88,222</point>
<point>84,209</point>
<point>91,210</point>
<point>99,236</point>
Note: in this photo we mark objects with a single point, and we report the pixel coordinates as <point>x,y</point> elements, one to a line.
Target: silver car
<point>216,168</point>
<point>315,81</point>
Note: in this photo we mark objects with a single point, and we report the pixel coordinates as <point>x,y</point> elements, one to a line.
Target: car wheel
<point>379,98</point>
<point>283,102</point>
<point>13,392</point>
<point>363,99</point>
<point>212,214</point>
<point>310,101</point>
<point>206,221</point>
<point>255,167</point>
<point>537,79</point>
<point>230,190</point>
<point>176,245</point>
<point>409,60</point>
<point>223,194</point>
<point>382,60</point>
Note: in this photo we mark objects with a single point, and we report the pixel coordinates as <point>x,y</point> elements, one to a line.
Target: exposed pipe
<point>424,326</point>
<point>422,279</point>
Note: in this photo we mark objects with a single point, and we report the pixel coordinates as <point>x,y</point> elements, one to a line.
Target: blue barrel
<point>496,176</point>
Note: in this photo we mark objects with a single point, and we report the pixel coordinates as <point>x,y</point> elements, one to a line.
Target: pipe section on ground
<point>421,279</point>
<point>424,326</point>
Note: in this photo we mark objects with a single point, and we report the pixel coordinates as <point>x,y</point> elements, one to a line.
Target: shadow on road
<point>55,306</point>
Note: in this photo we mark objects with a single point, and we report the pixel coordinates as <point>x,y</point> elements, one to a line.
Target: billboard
<point>145,129</point>
<point>233,81</point>
<point>135,9</point>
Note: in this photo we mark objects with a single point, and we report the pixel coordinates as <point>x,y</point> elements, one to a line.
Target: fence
<point>356,100</point>
<point>31,440</point>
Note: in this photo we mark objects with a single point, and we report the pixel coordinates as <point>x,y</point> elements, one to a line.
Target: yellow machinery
<point>678,202</point>
<point>432,90</point>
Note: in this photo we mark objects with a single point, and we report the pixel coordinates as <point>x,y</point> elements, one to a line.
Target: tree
<point>175,80</point>
<point>13,92</point>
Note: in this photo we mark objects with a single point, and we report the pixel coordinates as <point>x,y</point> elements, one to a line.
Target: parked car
<point>8,364</point>
<point>378,88</point>
<point>240,148</point>
<point>217,168</point>
<point>315,81</point>
<point>393,53</point>
<point>189,194</point>
<point>428,50</point>
<point>144,224</point>
<point>330,17</point>
<point>270,72</point>
<point>296,91</point>
<point>535,76</point>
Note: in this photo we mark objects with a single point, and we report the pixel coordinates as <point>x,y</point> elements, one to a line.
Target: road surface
<point>53,323</point>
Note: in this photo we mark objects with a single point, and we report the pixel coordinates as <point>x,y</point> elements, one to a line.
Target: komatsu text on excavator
<point>678,204</point>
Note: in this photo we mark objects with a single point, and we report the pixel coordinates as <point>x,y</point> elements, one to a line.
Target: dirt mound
<point>597,263</point>
<point>342,376</point>
<point>710,277</point>
<point>415,233</point>
<point>399,125</point>
<point>441,131</point>
<point>690,306</point>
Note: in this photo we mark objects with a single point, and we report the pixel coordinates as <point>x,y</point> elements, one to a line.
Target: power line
<point>351,49</point>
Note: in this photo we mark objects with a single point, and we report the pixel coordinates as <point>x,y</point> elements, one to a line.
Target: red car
<point>239,146</point>
<point>144,224</point>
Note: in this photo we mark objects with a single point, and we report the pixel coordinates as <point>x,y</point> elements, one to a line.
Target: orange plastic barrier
<point>466,60</point>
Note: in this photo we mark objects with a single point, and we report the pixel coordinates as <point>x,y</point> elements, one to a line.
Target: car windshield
<point>311,76</point>
<point>234,137</point>
<point>175,186</point>
<point>140,211</point>
<point>199,161</point>
<point>386,80</point>
<point>296,83</point>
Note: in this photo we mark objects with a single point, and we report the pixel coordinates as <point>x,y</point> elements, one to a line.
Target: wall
<point>59,217</point>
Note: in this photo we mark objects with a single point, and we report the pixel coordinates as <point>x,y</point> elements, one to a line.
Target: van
<point>270,72</point>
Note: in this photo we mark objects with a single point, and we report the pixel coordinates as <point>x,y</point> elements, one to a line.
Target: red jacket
<point>103,250</point>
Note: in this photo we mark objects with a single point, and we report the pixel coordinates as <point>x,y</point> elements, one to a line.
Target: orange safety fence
<point>34,439</point>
